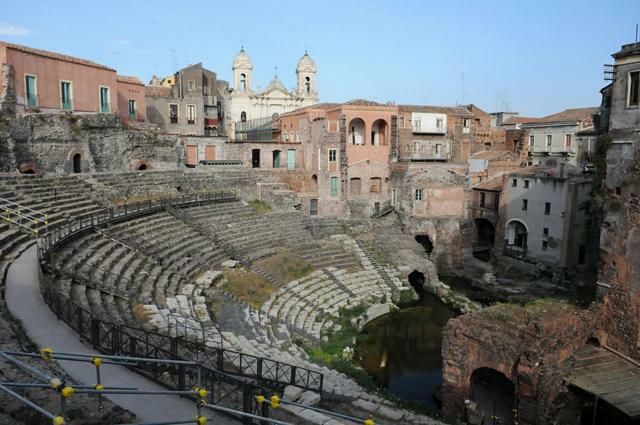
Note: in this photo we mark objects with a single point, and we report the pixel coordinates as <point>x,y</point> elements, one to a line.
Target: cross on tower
<point>276,70</point>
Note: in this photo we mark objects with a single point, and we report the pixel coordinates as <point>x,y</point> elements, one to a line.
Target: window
<point>526,184</point>
<point>525,204</point>
<point>416,125</point>
<point>132,109</point>
<point>633,94</point>
<point>191,114</point>
<point>401,122</point>
<point>307,85</point>
<point>532,140</point>
<point>418,194</point>
<point>466,125</point>
<point>545,232</point>
<point>496,201</point>
<point>243,82</point>
<point>374,184</point>
<point>333,160</point>
<point>334,186</point>
<point>173,113</point>
<point>31,90</point>
<point>205,89</point>
<point>514,183</point>
<point>65,95</point>
<point>545,245</point>
<point>439,124</point>
<point>549,141</point>
<point>243,116</point>
<point>567,140</point>
<point>482,199</point>
<point>547,208</point>
<point>354,186</point>
<point>192,85</point>
<point>104,100</point>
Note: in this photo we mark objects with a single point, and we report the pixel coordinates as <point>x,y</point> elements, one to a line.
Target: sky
<point>527,56</point>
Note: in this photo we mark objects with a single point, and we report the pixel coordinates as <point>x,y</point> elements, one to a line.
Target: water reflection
<point>402,350</point>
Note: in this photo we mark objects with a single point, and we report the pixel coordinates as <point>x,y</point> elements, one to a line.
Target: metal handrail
<point>295,375</point>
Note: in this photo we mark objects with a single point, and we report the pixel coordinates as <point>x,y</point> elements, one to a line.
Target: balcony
<point>211,122</point>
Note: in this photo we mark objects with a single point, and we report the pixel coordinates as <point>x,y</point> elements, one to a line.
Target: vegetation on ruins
<point>536,309</point>
<point>260,206</point>
<point>247,286</point>
<point>285,266</point>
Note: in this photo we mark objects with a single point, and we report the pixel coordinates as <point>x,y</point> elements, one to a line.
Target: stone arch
<point>243,82</point>
<point>314,183</point>
<point>141,165</point>
<point>426,242</point>
<point>28,168</point>
<point>379,130</point>
<point>494,394</point>
<point>75,157</point>
<point>307,85</point>
<point>356,131</point>
<point>517,233</point>
<point>416,280</point>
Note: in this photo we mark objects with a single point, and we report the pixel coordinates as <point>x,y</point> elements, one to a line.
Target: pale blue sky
<point>534,57</point>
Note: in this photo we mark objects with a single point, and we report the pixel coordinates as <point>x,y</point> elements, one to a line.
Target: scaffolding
<point>199,394</point>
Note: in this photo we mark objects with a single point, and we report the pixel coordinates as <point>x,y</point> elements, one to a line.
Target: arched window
<point>243,82</point>
<point>307,85</point>
<point>243,116</point>
<point>356,131</point>
<point>77,163</point>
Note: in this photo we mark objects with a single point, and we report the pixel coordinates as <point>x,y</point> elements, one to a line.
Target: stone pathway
<point>45,330</point>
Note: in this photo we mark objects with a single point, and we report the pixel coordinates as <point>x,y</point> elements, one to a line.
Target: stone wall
<point>47,143</point>
<point>533,346</point>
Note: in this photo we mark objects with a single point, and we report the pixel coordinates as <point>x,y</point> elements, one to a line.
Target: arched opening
<point>77,163</point>
<point>356,132</point>
<point>142,167</point>
<point>416,280</point>
<point>243,82</point>
<point>426,243</point>
<point>517,237</point>
<point>593,341</point>
<point>485,238</point>
<point>276,158</point>
<point>355,185</point>
<point>28,169</point>
<point>243,116</point>
<point>379,133</point>
<point>494,395</point>
<point>255,158</point>
<point>375,185</point>
<point>307,85</point>
<point>314,183</point>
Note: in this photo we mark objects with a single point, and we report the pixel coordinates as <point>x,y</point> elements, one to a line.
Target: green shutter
<point>30,83</point>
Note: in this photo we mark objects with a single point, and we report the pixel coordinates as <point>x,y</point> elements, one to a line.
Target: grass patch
<point>377,254</point>
<point>247,286</point>
<point>542,308</point>
<point>260,206</point>
<point>285,266</point>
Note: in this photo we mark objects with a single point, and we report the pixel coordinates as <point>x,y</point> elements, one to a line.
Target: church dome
<point>242,60</point>
<point>306,64</point>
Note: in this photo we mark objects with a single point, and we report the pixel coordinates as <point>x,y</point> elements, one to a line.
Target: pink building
<point>50,82</point>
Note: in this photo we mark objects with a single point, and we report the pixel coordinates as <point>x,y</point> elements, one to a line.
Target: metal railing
<point>23,216</point>
<point>109,336</point>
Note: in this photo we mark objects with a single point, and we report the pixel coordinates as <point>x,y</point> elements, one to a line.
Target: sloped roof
<point>494,184</point>
<point>449,110</point>
<point>520,120</point>
<point>574,114</point>
<point>275,84</point>
<point>53,55</point>
<point>129,79</point>
<point>363,102</point>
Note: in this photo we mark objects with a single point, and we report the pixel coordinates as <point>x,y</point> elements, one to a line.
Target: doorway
<point>255,158</point>
<point>77,163</point>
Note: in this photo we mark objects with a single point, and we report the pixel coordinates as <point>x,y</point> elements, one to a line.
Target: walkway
<point>45,330</point>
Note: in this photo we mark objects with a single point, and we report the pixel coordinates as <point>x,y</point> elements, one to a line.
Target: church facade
<point>245,105</point>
